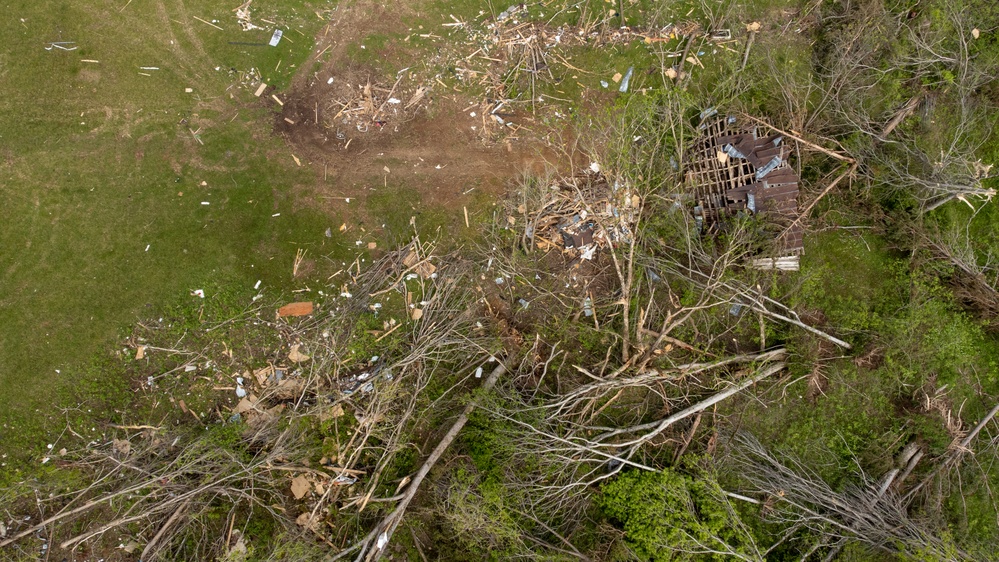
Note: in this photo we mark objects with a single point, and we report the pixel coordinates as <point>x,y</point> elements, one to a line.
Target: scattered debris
<point>62,46</point>
<point>243,17</point>
<point>626,80</point>
<point>344,480</point>
<point>260,90</point>
<point>275,38</point>
<point>752,29</point>
<point>209,23</point>
<point>300,486</point>
<point>122,447</point>
<point>295,309</point>
<point>423,267</point>
<point>583,213</point>
<point>296,356</point>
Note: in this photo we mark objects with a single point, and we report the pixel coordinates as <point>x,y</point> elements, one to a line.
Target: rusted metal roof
<point>735,168</point>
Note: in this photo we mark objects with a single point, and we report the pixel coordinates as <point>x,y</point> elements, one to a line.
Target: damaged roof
<point>736,169</point>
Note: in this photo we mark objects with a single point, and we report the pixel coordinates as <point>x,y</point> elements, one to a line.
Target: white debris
<point>243,15</point>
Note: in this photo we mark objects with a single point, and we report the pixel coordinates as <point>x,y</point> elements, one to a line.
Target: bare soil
<point>435,146</point>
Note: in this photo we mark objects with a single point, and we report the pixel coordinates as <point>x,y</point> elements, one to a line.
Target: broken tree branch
<point>658,427</point>
<point>812,145</point>
<point>382,533</point>
<point>834,183</point>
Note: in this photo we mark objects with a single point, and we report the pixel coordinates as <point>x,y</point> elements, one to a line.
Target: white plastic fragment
<point>627,78</point>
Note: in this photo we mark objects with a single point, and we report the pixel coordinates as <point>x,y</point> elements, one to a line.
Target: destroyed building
<point>735,169</point>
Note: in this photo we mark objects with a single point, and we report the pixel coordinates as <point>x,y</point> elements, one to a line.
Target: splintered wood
<point>372,105</point>
<point>295,309</point>
<point>423,268</point>
<point>508,54</point>
<point>581,214</point>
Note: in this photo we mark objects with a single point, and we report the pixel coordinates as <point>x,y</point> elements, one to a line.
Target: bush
<point>670,516</point>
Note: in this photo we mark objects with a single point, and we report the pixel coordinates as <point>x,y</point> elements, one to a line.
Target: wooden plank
<point>295,309</point>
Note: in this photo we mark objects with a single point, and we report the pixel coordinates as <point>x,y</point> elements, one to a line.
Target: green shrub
<point>671,516</point>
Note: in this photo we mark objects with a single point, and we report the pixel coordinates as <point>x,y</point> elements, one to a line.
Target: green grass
<point>95,157</point>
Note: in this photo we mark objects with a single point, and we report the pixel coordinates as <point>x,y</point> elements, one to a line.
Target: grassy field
<point>123,190</point>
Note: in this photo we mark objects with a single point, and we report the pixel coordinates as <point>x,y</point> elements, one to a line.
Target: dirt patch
<point>361,131</point>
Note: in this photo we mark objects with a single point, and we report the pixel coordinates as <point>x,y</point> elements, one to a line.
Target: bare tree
<point>868,512</point>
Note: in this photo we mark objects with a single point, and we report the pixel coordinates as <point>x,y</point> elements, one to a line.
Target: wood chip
<point>122,446</point>
<point>262,375</point>
<point>295,309</point>
<point>424,270</point>
<point>277,99</point>
<point>140,352</point>
<point>300,486</point>
<point>334,412</point>
<point>260,89</point>
<point>305,520</point>
<point>296,356</point>
<point>245,405</point>
<point>617,77</point>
